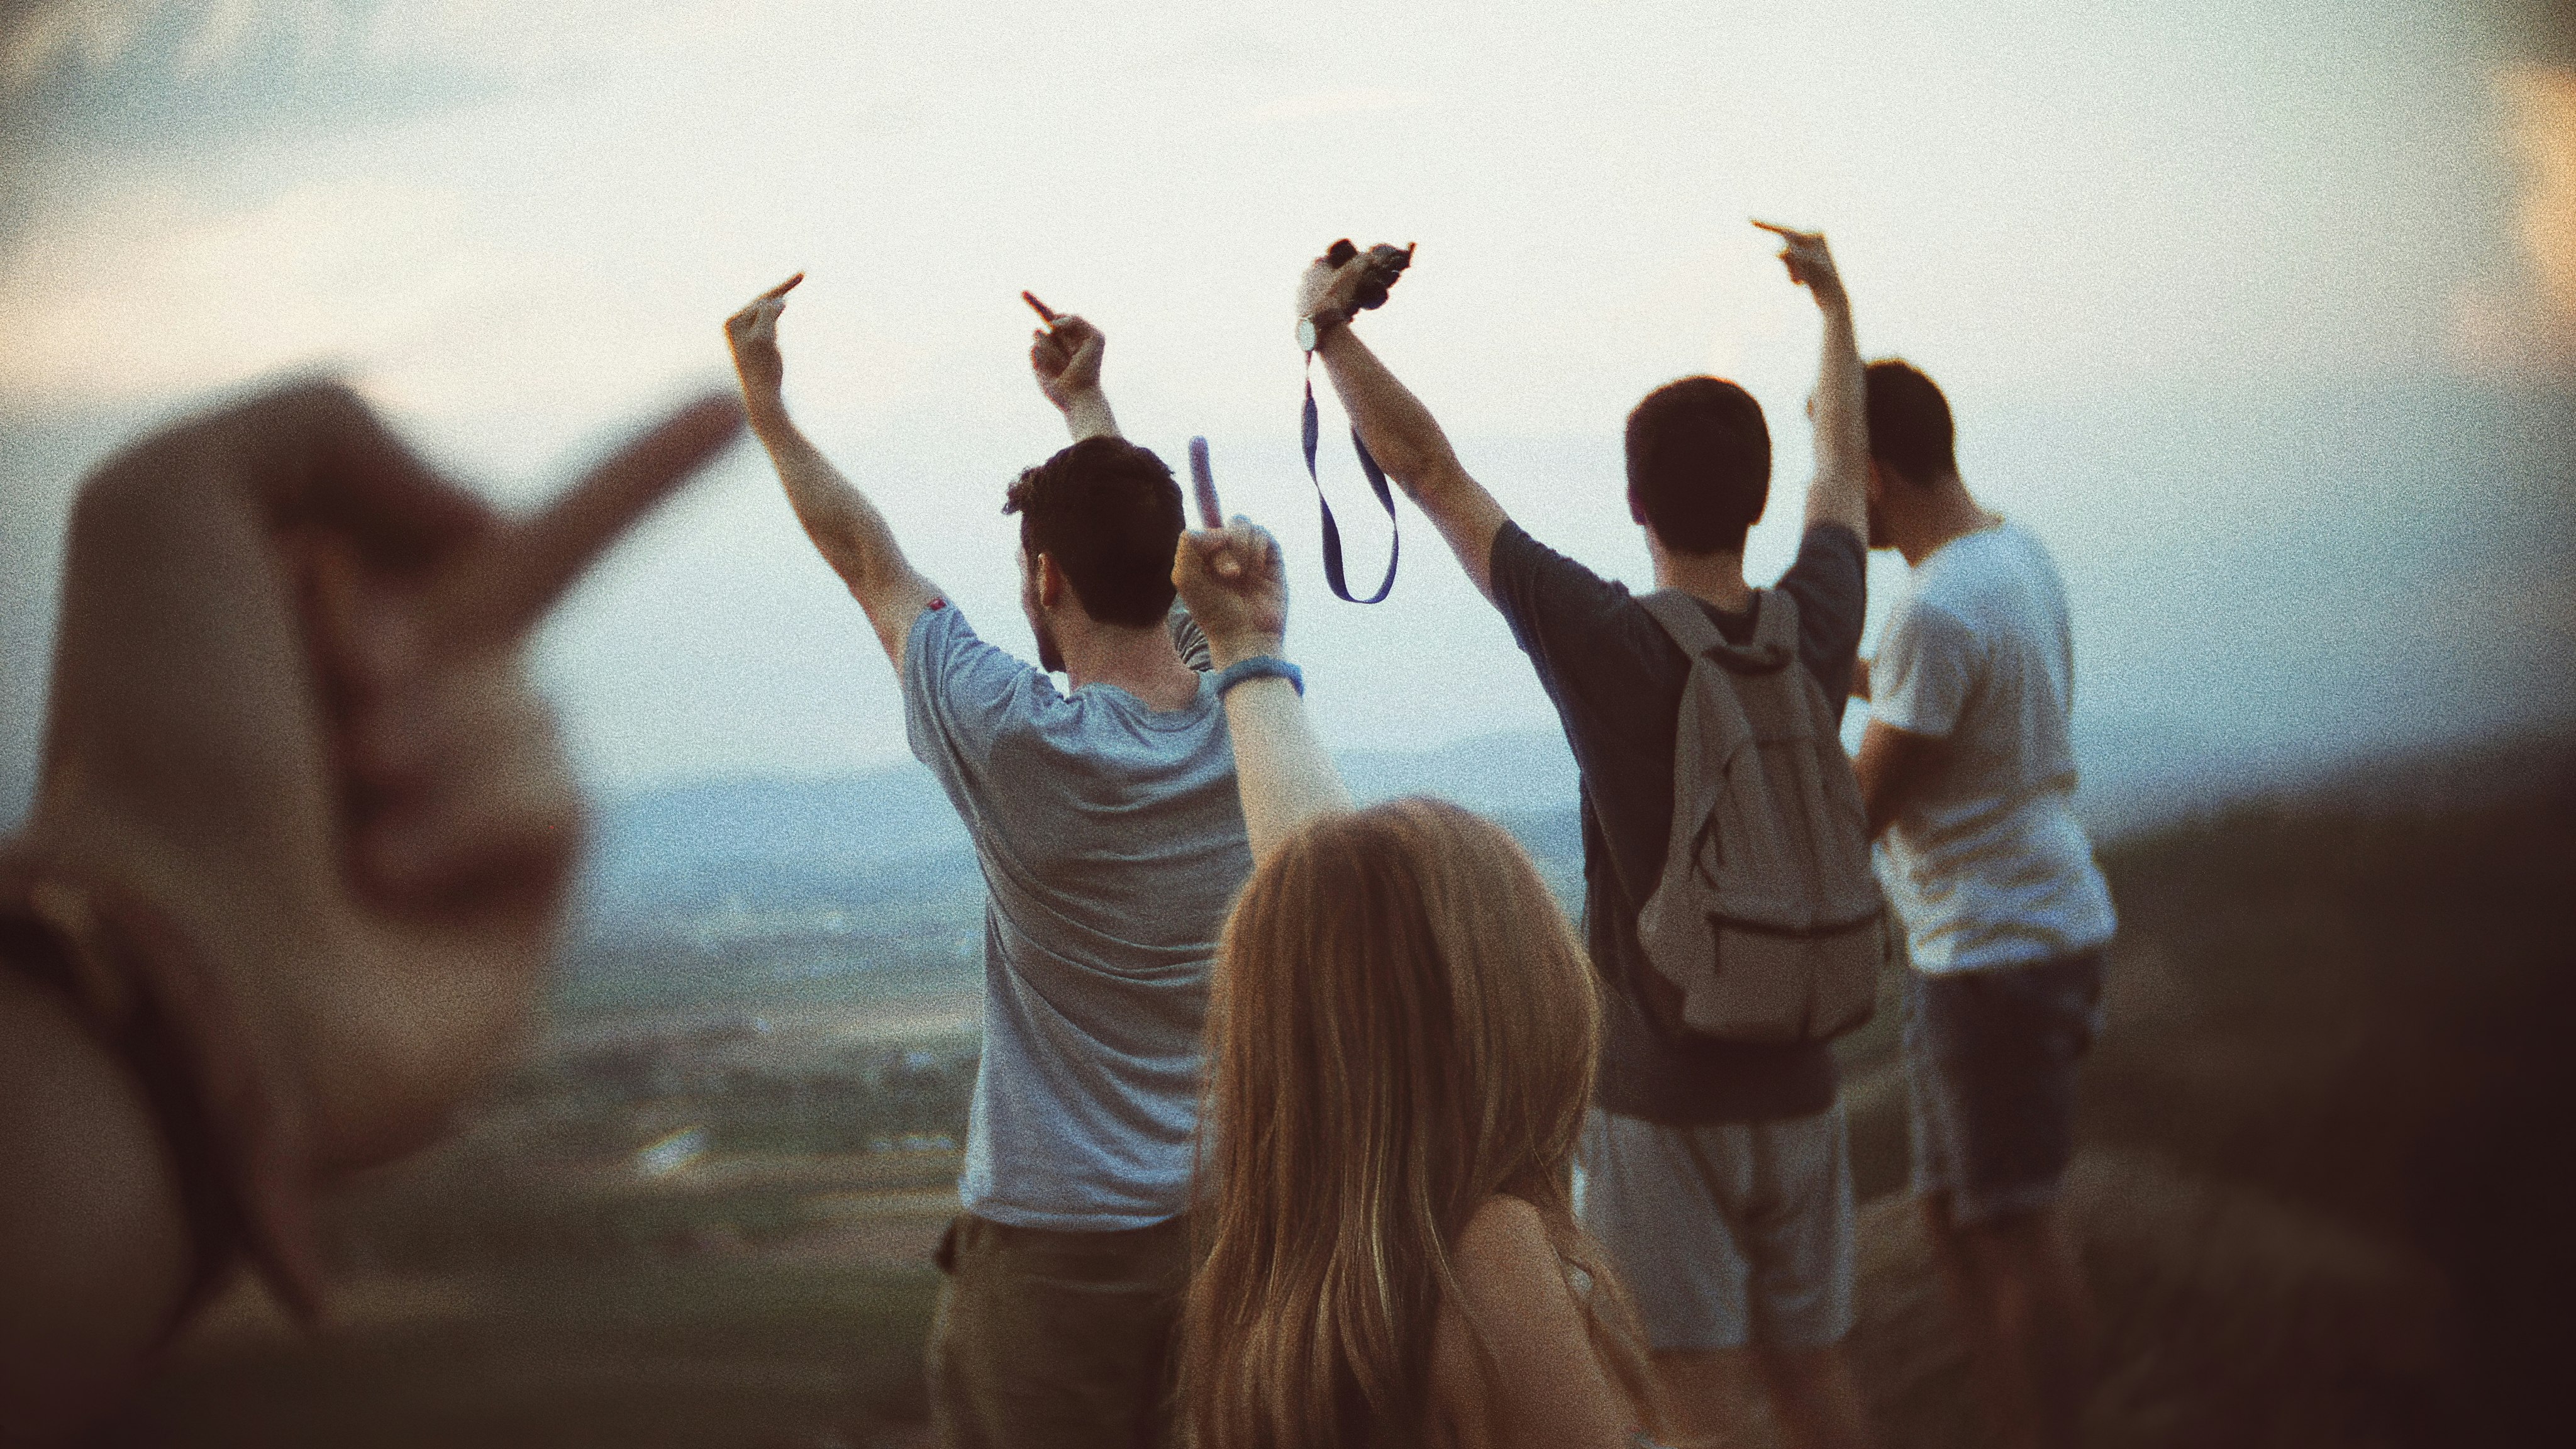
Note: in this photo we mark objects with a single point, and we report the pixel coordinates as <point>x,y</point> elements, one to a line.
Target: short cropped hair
<point>1909,422</point>
<point>1109,514</point>
<point>1699,464</point>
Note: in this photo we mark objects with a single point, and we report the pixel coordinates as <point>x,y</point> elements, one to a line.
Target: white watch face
<point>1306,333</point>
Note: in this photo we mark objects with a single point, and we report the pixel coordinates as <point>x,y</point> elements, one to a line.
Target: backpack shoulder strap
<point>1710,729</point>
<point>1775,627</point>
<point>1775,630</point>
<point>1682,617</point>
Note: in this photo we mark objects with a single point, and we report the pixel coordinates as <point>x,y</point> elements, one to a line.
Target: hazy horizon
<point>2263,320</point>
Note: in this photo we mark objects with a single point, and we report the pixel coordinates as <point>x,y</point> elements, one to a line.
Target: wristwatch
<point>1311,329</point>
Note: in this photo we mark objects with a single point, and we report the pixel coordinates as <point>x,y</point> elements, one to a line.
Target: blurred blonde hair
<point>1401,1027</point>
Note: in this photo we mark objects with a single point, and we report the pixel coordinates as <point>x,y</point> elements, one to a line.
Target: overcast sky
<point>517,227</point>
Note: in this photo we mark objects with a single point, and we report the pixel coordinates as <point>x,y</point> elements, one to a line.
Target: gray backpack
<point>1768,924</point>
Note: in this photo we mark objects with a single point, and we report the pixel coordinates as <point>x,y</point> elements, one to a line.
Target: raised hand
<point>1065,355</point>
<point>1810,264</point>
<point>752,333</point>
<point>454,786</point>
<point>1326,290</point>
<point>1236,587</point>
<point>290,723</point>
<point>1839,493</point>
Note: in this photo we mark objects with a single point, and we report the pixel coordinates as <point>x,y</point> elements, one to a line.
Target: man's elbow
<point>840,546</point>
<point>1434,481</point>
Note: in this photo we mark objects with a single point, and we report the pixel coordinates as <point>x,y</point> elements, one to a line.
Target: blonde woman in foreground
<point>1400,1045</point>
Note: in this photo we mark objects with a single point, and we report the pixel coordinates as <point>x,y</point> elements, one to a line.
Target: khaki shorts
<point>1055,1338</point>
<point>1728,1234</point>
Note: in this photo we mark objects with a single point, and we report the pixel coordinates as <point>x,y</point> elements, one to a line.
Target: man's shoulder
<point>1987,557</point>
<point>1585,632</point>
<point>1991,580</point>
<point>943,647</point>
<point>1524,561</point>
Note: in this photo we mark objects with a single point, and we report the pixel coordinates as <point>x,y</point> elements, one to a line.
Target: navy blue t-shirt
<point>1617,680</point>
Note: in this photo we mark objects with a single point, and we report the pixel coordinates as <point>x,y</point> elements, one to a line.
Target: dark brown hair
<point>1699,464</point>
<point>1909,422</point>
<point>1109,514</point>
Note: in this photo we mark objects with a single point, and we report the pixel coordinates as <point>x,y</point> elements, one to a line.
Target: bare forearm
<point>1892,766</point>
<point>1087,415</point>
<point>1840,492</point>
<point>1285,776</point>
<point>1408,443</point>
<point>847,530</point>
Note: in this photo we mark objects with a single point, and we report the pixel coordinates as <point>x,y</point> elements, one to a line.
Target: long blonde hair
<point>1401,1026</point>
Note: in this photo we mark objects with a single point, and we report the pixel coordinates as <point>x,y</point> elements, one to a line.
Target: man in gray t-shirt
<point>1106,820</point>
<point>1112,841</point>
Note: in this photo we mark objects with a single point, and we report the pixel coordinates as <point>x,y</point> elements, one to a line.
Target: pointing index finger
<point>1203,485</point>
<point>1043,310</point>
<point>500,592</point>
<point>782,289</point>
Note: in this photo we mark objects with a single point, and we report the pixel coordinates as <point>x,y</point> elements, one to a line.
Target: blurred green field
<point>706,1352</point>
<point>2319,1195</point>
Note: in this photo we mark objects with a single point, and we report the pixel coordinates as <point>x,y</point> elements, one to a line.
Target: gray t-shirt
<point>1111,840</point>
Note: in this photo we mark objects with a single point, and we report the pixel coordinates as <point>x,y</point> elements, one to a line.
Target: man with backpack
<point>1110,833</point>
<point>1969,769</point>
<point>1728,902</point>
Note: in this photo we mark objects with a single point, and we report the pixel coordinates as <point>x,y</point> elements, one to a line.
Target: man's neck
<point>1948,514</point>
<point>1712,578</point>
<point>1139,660</point>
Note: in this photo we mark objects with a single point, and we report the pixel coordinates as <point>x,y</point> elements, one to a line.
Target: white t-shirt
<point>1986,862</point>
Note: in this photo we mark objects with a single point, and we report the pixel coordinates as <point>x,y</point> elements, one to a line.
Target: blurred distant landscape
<point>2318,1191</point>
<point>2261,316</point>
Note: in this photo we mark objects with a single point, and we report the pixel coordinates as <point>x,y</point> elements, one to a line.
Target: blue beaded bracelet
<point>1259,666</point>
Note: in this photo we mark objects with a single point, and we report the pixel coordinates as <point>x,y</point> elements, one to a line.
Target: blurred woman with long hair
<point>1401,1041</point>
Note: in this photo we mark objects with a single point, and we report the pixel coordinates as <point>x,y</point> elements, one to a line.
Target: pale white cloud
<point>2526,323</point>
<point>156,294</point>
<point>2202,195</point>
<point>1357,101</point>
<point>93,37</point>
<point>55,33</point>
<point>2544,138</point>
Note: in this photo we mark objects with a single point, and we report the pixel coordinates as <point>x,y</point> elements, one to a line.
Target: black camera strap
<point>1332,532</point>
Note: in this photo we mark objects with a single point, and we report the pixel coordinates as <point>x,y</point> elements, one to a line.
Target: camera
<point>1385,264</point>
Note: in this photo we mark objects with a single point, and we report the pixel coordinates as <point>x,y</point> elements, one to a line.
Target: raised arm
<point>1066,355</point>
<point>1399,431</point>
<point>847,530</point>
<point>1237,589</point>
<point>1839,407</point>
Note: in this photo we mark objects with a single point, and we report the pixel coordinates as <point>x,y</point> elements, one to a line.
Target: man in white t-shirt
<point>1968,769</point>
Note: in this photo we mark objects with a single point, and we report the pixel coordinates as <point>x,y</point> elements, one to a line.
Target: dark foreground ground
<point>2323,1194</point>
